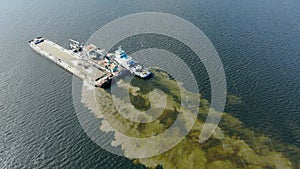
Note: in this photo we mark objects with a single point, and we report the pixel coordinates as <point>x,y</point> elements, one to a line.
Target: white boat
<point>128,63</point>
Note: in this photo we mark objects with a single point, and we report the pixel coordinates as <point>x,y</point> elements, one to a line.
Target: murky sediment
<point>231,146</point>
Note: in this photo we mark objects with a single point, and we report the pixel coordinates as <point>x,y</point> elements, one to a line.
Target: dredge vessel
<point>89,62</point>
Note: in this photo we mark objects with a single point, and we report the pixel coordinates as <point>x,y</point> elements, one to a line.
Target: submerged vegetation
<point>231,146</point>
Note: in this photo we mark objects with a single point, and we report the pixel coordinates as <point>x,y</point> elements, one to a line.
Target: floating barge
<point>86,62</point>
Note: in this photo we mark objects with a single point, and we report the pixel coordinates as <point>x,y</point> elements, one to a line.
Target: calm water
<point>258,42</point>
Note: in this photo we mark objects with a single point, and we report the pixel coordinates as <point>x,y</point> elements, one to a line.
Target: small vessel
<point>128,63</point>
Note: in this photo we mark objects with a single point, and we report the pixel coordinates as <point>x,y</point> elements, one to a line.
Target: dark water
<point>258,42</point>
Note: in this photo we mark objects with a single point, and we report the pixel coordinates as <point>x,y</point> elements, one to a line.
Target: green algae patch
<point>231,146</point>
<point>181,156</point>
<point>233,100</point>
<point>221,164</point>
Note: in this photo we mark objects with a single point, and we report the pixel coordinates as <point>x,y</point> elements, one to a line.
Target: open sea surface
<point>258,43</point>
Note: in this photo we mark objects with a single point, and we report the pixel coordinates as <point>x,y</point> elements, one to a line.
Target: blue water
<point>258,43</point>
